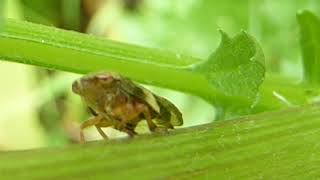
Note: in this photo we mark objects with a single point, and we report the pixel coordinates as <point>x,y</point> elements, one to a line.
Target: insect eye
<point>104,77</point>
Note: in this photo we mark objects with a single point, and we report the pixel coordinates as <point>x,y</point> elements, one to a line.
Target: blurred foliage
<point>2,8</point>
<point>274,24</point>
<point>310,45</point>
<point>187,27</point>
<point>71,18</point>
<point>46,12</point>
<point>190,26</point>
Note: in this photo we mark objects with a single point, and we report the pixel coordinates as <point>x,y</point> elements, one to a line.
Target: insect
<point>116,101</point>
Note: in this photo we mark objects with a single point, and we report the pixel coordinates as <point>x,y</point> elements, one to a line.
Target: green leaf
<point>310,46</point>
<point>237,67</point>
<point>273,145</point>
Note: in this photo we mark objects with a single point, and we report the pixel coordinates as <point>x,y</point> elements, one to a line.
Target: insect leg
<point>129,130</point>
<point>151,125</point>
<point>90,122</point>
<point>101,132</point>
<point>131,133</point>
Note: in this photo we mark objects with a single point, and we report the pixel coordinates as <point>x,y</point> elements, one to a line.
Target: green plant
<point>216,80</point>
<point>232,78</point>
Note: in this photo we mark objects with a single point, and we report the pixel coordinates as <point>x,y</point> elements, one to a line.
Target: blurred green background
<point>37,106</point>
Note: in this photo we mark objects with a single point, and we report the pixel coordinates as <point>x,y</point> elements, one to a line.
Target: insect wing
<point>174,115</point>
<point>140,92</point>
<point>164,107</point>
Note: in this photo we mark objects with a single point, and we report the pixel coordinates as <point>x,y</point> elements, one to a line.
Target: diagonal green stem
<point>66,50</point>
<point>50,47</point>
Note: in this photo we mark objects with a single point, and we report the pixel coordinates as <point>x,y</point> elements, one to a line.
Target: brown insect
<point>116,101</point>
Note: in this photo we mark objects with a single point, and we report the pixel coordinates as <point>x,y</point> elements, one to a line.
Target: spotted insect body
<point>116,101</point>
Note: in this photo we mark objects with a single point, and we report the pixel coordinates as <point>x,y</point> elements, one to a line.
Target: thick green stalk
<point>273,145</point>
<point>66,50</point>
<point>75,52</point>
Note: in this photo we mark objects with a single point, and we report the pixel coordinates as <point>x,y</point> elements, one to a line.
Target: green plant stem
<point>75,52</point>
<point>309,42</point>
<point>273,145</point>
<point>66,50</point>
<point>291,90</point>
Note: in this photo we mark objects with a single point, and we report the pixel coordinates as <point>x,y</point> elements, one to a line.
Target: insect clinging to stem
<point>116,101</point>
